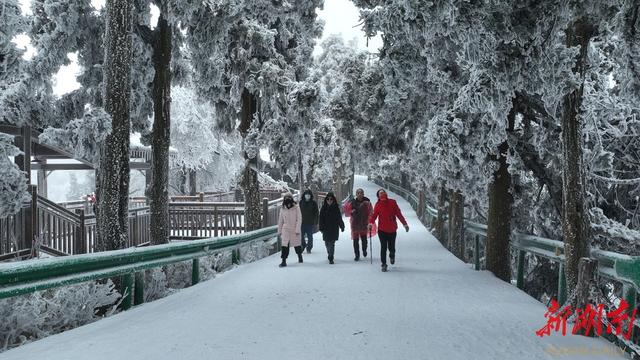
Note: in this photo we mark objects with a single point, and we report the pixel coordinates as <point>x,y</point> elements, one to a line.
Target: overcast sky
<point>340,16</point>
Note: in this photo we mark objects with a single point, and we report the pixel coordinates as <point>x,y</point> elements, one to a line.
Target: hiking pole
<point>370,248</point>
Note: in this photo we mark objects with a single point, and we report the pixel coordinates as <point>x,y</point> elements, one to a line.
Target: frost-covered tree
<point>13,182</point>
<point>201,147</point>
<point>113,178</point>
<point>243,54</point>
<point>495,107</point>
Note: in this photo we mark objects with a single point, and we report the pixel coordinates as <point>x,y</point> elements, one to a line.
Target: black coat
<point>330,222</point>
<point>309,209</point>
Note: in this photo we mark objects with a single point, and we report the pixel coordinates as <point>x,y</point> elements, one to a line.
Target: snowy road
<point>429,305</point>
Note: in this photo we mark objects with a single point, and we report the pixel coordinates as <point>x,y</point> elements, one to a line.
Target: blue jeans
<point>306,229</point>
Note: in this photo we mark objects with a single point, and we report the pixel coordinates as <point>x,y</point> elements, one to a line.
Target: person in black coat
<point>329,223</point>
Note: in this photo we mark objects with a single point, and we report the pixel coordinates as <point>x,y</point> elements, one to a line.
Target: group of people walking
<point>297,222</point>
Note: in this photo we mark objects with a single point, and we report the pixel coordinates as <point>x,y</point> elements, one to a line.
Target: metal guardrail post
<point>235,256</point>
<point>562,285</point>
<point>195,271</point>
<point>138,294</point>
<point>520,274</point>
<point>127,285</point>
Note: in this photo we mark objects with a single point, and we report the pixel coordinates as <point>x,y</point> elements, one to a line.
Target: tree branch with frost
<point>616,181</point>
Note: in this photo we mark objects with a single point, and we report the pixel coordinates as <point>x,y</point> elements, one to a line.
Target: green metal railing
<point>28,276</point>
<point>618,267</point>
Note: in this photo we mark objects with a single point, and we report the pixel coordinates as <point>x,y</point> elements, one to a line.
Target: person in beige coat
<point>289,224</point>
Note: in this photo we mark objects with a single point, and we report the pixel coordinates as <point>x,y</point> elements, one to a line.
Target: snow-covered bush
<point>34,316</point>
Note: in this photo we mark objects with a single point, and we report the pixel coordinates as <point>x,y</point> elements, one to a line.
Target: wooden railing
<point>67,231</point>
<point>11,238</point>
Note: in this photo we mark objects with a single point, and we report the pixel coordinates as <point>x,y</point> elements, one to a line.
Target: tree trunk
<point>574,219</point>
<point>499,218</point>
<point>161,136</point>
<point>300,174</point>
<point>113,180</point>
<point>442,210</point>
<point>250,184</point>
<point>456,224</point>
<point>337,188</point>
<point>586,275</point>
<point>193,185</point>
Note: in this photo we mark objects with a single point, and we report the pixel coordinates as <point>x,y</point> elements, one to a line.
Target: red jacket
<point>386,211</point>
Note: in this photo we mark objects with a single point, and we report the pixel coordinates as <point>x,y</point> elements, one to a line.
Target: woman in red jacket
<point>386,211</point>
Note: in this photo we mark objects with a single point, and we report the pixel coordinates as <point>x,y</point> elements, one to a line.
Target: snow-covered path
<point>429,305</point>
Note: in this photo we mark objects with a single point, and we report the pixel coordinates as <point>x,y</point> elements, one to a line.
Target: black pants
<point>356,245</point>
<point>285,251</point>
<point>331,248</point>
<point>387,240</point>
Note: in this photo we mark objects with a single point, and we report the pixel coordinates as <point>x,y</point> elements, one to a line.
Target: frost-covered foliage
<point>439,96</point>
<point>338,136</point>
<point>13,183</point>
<point>82,137</point>
<point>257,46</point>
<point>193,131</point>
<point>31,317</point>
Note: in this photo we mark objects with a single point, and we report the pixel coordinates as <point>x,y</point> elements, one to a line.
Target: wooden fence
<point>67,229</point>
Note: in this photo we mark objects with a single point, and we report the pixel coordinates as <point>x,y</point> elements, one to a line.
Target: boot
<point>331,260</point>
<point>392,259</point>
<point>364,252</point>
<point>384,268</point>
<point>299,258</point>
<point>357,258</point>
<point>283,263</point>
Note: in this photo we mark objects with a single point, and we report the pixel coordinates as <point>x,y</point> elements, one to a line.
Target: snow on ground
<point>429,305</point>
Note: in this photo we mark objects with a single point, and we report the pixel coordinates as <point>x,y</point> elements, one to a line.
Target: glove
<point>342,229</point>
<point>406,227</point>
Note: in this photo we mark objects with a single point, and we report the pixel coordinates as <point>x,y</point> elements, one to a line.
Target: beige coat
<point>289,224</point>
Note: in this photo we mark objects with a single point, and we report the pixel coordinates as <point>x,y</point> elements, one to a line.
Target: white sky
<point>340,16</point>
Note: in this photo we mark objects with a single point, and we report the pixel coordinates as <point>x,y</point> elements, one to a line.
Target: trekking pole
<point>370,247</point>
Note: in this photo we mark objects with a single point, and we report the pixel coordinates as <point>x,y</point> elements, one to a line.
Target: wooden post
<point>138,294</point>
<point>520,275</point>
<point>80,245</point>
<point>135,240</point>
<point>265,212</point>
<point>42,178</point>
<point>23,142</point>
<point>195,271</point>
<point>29,224</point>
